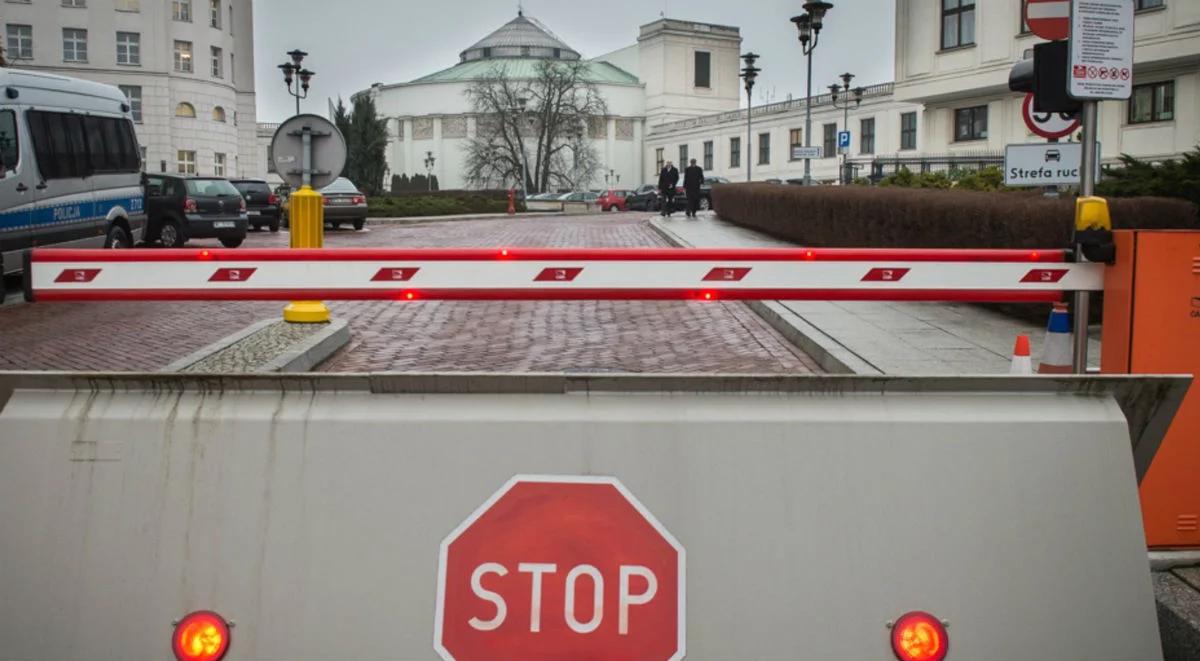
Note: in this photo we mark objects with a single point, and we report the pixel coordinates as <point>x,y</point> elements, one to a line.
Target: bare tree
<point>536,126</point>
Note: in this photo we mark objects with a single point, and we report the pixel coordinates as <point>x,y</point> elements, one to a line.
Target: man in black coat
<point>693,178</point>
<point>668,179</point>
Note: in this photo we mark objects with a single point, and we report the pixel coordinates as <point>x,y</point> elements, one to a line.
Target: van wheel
<point>117,238</point>
<point>232,242</point>
<point>171,233</point>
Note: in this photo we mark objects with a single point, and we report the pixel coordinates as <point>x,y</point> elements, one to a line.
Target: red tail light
<point>201,636</point>
<point>272,199</point>
<point>189,205</point>
<point>359,199</point>
<point>242,205</point>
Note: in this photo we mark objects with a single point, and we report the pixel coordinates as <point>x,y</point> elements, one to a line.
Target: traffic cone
<point>1022,362</point>
<point>1056,354</point>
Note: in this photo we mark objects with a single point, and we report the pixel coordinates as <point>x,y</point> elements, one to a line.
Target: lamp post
<point>749,75</point>
<point>843,177</point>
<point>429,161</point>
<point>518,112</point>
<point>291,71</point>
<point>810,23</point>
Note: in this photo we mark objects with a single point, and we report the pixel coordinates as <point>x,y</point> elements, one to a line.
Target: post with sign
<point>309,152</point>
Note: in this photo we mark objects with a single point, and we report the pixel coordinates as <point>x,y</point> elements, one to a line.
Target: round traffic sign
<point>1049,19</point>
<point>328,150</point>
<point>560,568</point>
<point>1051,125</point>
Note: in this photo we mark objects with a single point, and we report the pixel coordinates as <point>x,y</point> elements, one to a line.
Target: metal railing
<point>791,105</point>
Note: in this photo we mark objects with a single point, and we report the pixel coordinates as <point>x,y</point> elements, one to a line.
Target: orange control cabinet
<point>1152,326</point>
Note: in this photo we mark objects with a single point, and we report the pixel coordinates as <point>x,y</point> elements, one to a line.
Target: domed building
<point>675,70</point>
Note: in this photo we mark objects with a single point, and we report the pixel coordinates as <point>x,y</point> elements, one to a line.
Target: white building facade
<point>187,67</point>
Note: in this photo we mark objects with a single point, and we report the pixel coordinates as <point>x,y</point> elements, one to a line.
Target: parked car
<point>645,198</point>
<point>613,200</point>
<point>181,208</point>
<point>70,171</point>
<point>262,205</point>
<point>344,203</point>
<point>580,196</point>
<point>705,194</point>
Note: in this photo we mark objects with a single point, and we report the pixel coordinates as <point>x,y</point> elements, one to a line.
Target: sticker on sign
<point>1044,164</point>
<point>1101,61</point>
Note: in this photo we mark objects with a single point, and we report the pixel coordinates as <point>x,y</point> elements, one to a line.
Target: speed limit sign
<point>1051,125</point>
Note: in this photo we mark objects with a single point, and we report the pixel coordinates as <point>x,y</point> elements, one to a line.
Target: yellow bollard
<point>306,212</point>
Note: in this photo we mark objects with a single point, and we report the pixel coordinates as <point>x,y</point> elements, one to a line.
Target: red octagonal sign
<point>560,568</point>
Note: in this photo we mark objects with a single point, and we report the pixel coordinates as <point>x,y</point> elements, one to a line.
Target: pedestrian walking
<point>693,178</point>
<point>668,179</point>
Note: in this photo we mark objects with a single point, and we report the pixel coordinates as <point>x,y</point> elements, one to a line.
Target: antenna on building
<point>520,9</point>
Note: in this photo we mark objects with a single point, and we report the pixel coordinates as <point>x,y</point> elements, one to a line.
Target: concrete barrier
<point>309,509</point>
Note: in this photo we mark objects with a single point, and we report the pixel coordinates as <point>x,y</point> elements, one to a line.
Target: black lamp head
<point>297,56</point>
<point>804,25</point>
<point>817,11</point>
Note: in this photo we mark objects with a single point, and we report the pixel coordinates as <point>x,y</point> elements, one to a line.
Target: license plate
<point>253,213</point>
<point>224,224</point>
<point>336,201</point>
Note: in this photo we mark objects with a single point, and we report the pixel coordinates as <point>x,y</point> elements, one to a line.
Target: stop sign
<point>1049,19</point>
<point>560,568</point>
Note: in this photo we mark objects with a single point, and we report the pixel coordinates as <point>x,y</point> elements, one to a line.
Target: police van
<point>70,166</point>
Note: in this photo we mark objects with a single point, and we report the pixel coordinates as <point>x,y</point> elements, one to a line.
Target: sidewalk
<point>413,220</point>
<point>877,338</point>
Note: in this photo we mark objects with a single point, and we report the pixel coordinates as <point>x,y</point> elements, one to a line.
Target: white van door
<point>18,179</point>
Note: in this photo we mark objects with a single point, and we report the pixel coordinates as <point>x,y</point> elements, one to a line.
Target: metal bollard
<point>307,227</point>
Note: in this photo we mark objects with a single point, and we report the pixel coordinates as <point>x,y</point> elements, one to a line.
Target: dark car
<point>180,208</point>
<point>262,205</point>
<point>705,194</point>
<point>344,203</point>
<point>645,198</point>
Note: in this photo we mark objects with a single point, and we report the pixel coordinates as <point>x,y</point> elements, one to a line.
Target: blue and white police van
<point>70,166</point>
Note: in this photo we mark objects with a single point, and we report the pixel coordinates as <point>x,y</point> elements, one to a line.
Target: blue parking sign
<point>843,139</point>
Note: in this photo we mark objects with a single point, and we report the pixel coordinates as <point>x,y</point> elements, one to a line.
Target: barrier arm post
<point>307,227</point>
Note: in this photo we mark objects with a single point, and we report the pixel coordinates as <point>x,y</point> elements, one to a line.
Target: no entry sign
<point>1049,19</point>
<point>560,568</point>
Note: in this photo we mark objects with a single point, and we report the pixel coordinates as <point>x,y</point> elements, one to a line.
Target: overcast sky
<point>353,43</point>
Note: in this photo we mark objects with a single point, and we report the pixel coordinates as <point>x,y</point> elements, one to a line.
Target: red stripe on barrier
<point>233,275</point>
<point>922,295</point>
<point>723,274</point>
<point>1045,276</point>
<point>395,274</point>
<point>558,275</point>
<point>78,275</point>
<point>48,255</point>
<point>885,275</point>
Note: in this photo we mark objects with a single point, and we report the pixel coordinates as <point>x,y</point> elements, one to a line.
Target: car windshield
<point>341,185</point>
<point>210,188</point>
<point>245,187</point>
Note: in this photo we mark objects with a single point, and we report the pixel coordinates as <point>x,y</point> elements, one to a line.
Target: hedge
<point>860,216</point>
<point>405,206</point>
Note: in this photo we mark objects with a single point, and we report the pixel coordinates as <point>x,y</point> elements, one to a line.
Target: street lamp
<point>291,71</point>
<point>809,24</point>
<point>518,111</point>
<point>843,177</point>
<point>429,161</point>
<point>749,75</point>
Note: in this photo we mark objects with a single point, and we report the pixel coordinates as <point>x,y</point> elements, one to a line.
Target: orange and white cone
<point>1057,352</point>
<point>1022,361</point>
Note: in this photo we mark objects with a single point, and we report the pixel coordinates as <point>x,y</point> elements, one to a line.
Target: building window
<point>908,130</point>
<point>958,23</point>
<point>524,51</point>
<point>186,161</point>
<point>185,109</point>
<point>683,155</point>
<point>218,114</point>
<point>129,48</point>
<point>970,124</point>
<point>735,152</point>
<point>558,53</point>
<point>866,141</point>
<point>128,5</point>
<point>708,155</point>
<point>231,19</point>
<point>74,3</point>
<point>1152,103</point>
<point>795,139</point>
<point>74,45</point>
<point>214,14</point>
<point>658,158</point>
<point>218,61</point>
<point>829,138</point>
<point>219,164</point>
<point>134,94</point>
<point>232,70</point>
<point>1148,4</point>
<point>764,148</point>
<point>183,56</point>
<point>20,42</point>
<point>181,10</point>
<point>10,155</point>
<point>703,69</point>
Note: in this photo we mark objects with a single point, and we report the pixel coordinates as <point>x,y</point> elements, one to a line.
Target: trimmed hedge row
<point>435,205</point>
<point>860,216</point>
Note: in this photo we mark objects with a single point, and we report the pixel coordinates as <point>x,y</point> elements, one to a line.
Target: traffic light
<point>1046,77</point>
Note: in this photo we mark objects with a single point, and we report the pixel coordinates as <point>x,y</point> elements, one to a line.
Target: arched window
<point>185,109</point>
<point>218,114</point>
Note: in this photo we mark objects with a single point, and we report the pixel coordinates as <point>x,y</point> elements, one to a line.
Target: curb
<point>421,220</point>
<point>832,356</point>
<point>217,347</point>
<point>312,351</point>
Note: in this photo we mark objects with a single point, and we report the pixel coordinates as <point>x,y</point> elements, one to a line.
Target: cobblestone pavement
<point>429,336</point>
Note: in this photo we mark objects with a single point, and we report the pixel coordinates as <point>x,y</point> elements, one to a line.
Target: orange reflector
<point>919,636</point>
<point>200,636</point>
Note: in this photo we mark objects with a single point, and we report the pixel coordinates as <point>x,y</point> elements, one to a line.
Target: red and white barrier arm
<point>556,274</point>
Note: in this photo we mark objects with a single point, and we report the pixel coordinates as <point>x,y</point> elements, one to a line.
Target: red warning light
<point>809,255</point>
<point>504,252</point>
<point>409,296</point>
<point>204,254</point>
<point>1034,256</point>
<point>708,296</point>
<point>200,636</point>
<point>919,636</point>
